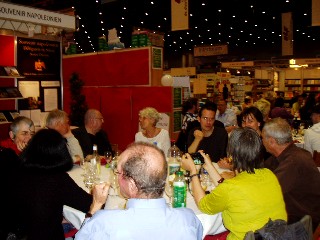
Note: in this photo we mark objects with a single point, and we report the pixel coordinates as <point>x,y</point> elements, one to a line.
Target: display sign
<point>179,15</point>
<point>237,64</point>
<point>156,58</point>
<point>177,97</point>
<point>177,120</point>
<point>14,12</point>
<point>210,50</point>
<point>39,58</point>
<point>303,61</point>
<point>189,71</point>
<point>200,86</point>
<point>287,34</point>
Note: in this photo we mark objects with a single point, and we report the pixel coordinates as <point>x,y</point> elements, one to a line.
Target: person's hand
<point>100,195</point>
<point>188,164</point>
<point>224,163</point>
<point>198,134</point>
<point>207,161</point>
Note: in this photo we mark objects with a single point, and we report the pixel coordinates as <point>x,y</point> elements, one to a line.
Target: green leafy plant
<point>78,104</point>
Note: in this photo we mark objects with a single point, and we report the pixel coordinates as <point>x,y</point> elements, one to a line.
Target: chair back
<point>316,157</point>
<point>279,229</point>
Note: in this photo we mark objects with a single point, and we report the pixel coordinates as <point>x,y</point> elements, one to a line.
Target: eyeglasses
<point>208,119</point>
<point>117,173</point>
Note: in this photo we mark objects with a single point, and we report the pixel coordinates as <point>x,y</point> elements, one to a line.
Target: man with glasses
<point>211,139</point>
<point>21,131</point>
<point>92,133</point>
<point>142,172</point>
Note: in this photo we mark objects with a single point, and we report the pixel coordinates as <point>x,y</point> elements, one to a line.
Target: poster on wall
<point>50,99</point>
<point>39,58</point>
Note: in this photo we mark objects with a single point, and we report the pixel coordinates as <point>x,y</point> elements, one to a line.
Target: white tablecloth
<point>212,224</point>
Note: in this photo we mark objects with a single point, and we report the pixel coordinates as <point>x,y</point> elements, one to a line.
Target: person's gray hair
<point>245,148</point>
<point>150,112</point>
<point>54,117</point>
<point>279,129</point>
<point>14,127</point>
<point>140,166</point>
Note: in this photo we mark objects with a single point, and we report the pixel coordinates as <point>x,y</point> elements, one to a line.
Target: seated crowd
<point>271,178</point>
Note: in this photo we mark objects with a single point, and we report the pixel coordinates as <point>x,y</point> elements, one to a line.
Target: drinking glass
<point>169,191</point>
<point>114,185</point>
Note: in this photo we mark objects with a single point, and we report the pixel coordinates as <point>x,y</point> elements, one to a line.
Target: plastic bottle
<point>174,161</point>
<point>179,191</point>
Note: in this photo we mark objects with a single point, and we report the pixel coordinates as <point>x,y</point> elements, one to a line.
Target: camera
<point>197,158</point>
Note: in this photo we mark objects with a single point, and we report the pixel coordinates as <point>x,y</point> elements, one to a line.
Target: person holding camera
<point>208,137</point>
<point>248,200</point>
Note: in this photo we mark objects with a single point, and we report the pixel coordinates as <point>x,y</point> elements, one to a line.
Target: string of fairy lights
<point>244,25</point>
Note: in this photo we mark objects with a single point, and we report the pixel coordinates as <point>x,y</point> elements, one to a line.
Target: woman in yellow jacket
<point>246,201</point>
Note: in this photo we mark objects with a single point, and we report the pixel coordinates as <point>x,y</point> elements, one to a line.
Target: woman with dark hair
<point>279,110</point>
<point>42,186</point>
<point>250,117</point>
<point>190,112</point>
<point>248,200</point>
<point>253,118</point>
<point>189,121</point>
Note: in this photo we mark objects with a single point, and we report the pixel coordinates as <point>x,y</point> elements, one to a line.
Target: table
<point>212,224</point>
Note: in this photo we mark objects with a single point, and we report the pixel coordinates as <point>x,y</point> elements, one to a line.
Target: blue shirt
<point>143,219</point>
<point>228,118</point>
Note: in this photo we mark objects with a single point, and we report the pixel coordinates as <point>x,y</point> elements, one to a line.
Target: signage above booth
<point>203,51</point>
<point>237,64</point>
<point>18,13</point>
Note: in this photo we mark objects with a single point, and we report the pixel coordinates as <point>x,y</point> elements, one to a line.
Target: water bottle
<point>174,161</point>
<point>179,190</point>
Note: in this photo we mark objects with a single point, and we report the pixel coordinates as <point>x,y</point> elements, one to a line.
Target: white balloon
<point>167,80</point>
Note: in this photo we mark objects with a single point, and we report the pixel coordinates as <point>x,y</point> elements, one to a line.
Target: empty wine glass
<point>114,185</point>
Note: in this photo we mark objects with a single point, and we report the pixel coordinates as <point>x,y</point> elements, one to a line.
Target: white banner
<point>179,15</point>
<point>315,13</point>
<point>20,13</point>
<point>287,34</point>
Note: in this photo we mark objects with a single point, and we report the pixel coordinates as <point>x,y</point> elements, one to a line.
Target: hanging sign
<point>210,50</point>
<point>20,13</point>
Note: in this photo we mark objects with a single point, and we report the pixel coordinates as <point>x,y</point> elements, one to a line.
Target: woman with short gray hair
<point>148,119</point>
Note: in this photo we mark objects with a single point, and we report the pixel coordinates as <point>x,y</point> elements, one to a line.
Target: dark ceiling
<point>251,28</point>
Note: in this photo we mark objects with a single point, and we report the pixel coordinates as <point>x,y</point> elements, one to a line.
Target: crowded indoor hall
<point>185,119</point>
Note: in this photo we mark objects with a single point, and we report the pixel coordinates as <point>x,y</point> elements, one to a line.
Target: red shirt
<point>8,143</point>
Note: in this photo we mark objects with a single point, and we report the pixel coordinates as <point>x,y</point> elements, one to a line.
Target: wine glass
<point>114,185</point>
<point>169,191</point>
